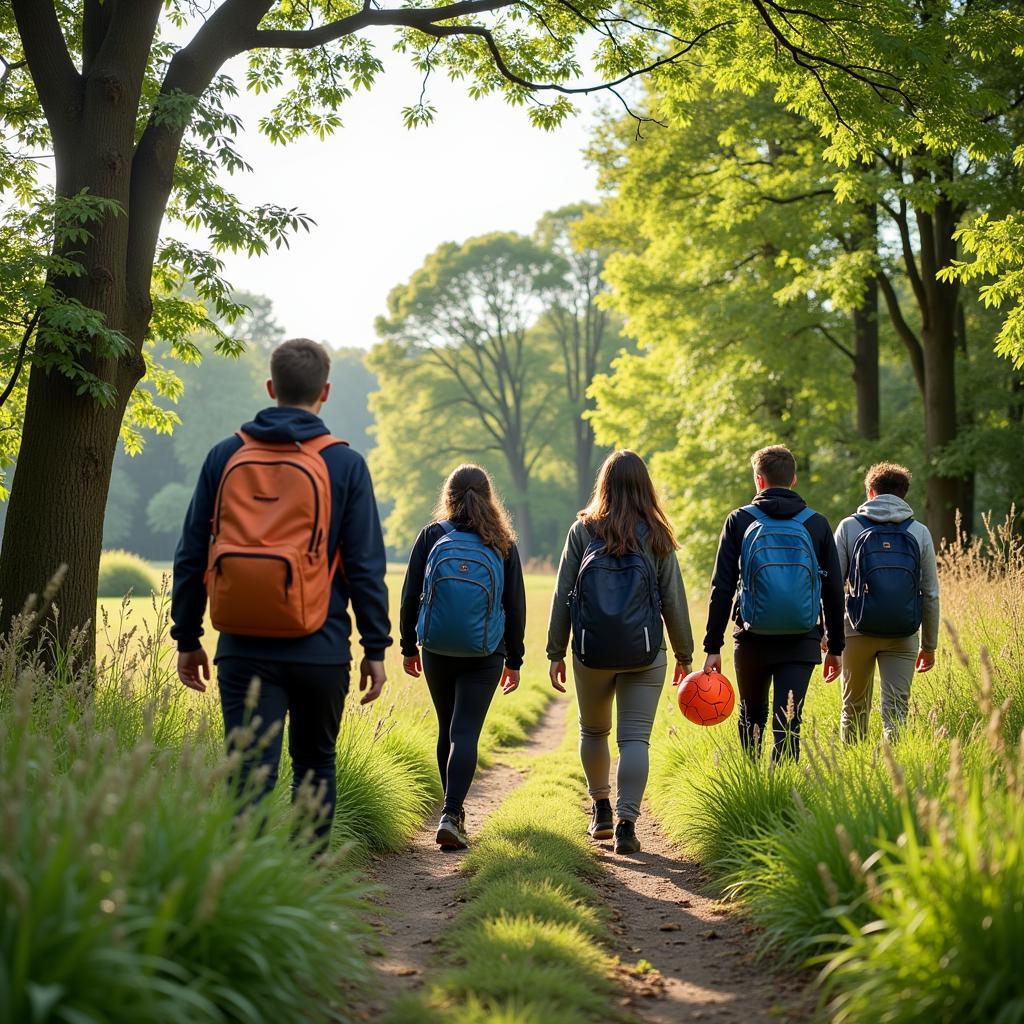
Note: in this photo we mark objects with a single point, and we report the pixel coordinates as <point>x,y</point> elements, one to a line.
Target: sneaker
<point>451,832</point>
<point>602,822</point>
<point>625,838</point>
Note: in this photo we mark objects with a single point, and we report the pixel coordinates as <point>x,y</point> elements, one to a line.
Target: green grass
<point>875,863</point>
<point>129,891</point>
<point>528,945</point>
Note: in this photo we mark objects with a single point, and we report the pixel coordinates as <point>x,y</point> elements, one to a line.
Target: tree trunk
<point>584,462</point>
<point>865,372</point>
<point>57,503</point>
<point>865,331</point>
<point>940,426</point>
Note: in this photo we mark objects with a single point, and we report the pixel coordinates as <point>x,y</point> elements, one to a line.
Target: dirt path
<point>701,952</point>
<point>420,885</point>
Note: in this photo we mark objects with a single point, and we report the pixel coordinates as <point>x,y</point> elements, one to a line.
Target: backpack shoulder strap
<point>905,525</point>
<point>322,441</point>
<point>447,525</point>
<point>760,516</point>
<point>866,523</point>
<point>803,515</point>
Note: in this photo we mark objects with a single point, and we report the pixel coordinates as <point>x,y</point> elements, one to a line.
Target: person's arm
<point>513,599</point>
<point>188,593</point>
<point>842,547</point>
<point>723,585</point>
<point>674,609</point>
<point>412,590</point>
<point>568,569</point>
<point>833,600</point>
<point>365,562</point>
<point>930,595</point>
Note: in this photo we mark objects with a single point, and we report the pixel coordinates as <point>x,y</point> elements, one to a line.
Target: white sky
<point>384,197</point>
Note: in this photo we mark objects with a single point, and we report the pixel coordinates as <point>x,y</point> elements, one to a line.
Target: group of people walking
<point>282,535</point>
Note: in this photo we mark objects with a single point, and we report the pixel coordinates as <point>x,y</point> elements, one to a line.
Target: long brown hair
<point>469,496</point>
<point>624,496</point>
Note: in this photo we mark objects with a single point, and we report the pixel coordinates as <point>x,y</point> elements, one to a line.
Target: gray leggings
<point>636,692</point>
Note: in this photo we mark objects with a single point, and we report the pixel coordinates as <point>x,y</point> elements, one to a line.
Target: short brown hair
<point>776,464</point>
<point>888,478</point>
<point>299,369</point>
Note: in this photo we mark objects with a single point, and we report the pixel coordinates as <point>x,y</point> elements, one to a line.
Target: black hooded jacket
<point>355,526</point>
<point>781,503</point>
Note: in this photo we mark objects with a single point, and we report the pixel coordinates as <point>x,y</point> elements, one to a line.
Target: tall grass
<point>133,890</point>
<point>890,866</point>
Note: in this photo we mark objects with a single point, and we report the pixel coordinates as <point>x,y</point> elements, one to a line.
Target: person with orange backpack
<point>282,533</point>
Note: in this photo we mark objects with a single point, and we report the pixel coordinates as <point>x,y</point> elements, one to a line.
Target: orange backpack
<point>269,571</point>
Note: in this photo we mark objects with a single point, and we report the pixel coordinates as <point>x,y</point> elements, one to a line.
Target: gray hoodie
<point>887,508</point>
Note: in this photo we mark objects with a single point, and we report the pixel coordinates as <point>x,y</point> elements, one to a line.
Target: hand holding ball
<point>706,698</point>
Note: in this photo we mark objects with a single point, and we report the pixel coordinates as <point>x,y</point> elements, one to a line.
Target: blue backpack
<point>780,581</point>
<point>615,609</point>
<point>884,580</point>
<point>461,611</point>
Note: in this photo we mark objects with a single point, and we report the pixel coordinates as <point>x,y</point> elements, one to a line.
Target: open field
<point>126,880</point>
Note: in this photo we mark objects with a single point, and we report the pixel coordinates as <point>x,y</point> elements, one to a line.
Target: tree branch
<point>19,362</point>
<point>55,77</point>
<point>903,329</point>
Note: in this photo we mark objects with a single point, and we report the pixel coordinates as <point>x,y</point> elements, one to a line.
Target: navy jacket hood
<point>779,502</point>
<point>284,423</point>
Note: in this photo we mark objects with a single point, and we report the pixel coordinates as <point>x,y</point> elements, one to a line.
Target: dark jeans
<point>461,689</point>
<point>755,676</point>
<point>311,696</point>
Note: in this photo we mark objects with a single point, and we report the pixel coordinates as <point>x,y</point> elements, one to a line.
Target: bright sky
<point>384,197</point>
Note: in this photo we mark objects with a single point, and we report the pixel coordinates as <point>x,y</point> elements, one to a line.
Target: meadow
<point>132,893</point>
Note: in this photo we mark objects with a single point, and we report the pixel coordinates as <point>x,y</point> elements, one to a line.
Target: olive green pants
<point>895,658</point>
<point>635,694</point>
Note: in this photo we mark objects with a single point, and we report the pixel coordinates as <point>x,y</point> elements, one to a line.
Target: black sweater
<point>513,598</point>
<point>781,503</point>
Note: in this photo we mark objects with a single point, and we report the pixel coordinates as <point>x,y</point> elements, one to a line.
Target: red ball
<point>706,698</point>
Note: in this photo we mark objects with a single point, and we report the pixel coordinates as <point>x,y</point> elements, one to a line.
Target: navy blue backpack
<point>780,580</point>
<point>884,580</point>
<point>461,609</point>
<point>615,609</point>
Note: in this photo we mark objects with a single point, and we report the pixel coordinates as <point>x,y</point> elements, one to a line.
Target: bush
<point>121,572</point>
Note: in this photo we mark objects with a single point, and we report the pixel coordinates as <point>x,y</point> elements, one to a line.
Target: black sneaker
<point>602,823</point>
<point>451,832</point>
<point>625,838</point>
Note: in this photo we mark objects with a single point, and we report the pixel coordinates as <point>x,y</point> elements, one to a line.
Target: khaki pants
<point>636,694</point>
<point>895,658</point>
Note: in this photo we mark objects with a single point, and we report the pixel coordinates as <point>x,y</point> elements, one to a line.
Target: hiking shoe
<point>451,832</point>
<point>625,838</point>
<point>602,822</point>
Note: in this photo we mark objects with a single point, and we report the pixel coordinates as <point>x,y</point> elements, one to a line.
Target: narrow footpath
<point>682,955</point>
<point>420,885</point>
<point>699,950</point>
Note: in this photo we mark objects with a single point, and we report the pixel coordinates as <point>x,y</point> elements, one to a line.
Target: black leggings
<point>461,689</point>
<point>754,677</point>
